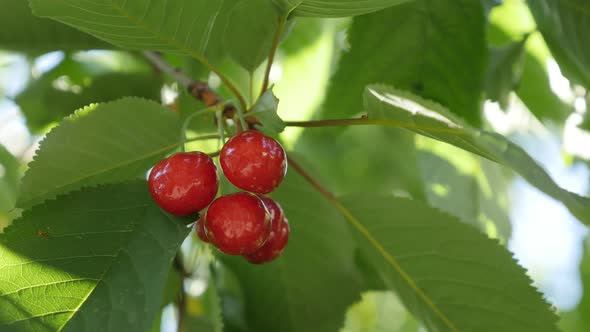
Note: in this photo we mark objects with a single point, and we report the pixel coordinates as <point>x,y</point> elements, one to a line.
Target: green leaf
<point>192,27</point>
<point>310,286</point>
<point>303,35</point>
<point>391,107</point>
<point>252,26</point>
<point>434,48</point>
<point>578,320</point>
<point>334,8</point>
<point>265,110</point>
<point>504,71</point>
<point>446,273</point>
<point>9,180</point>
<point>509,23</point>
<point>23,32</point>
<point>100,144</point>
<point>562,24</point>
<point>189,27</point>
<point>95,260</point>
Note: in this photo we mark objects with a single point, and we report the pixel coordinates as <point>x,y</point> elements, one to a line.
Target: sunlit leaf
<point>95,260</point>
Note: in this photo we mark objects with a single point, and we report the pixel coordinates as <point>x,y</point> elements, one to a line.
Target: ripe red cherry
<point>200,230</point>
<point>253,162</point>
<point>278,238</point>
<point>237,224</point>
<point>184,183</point>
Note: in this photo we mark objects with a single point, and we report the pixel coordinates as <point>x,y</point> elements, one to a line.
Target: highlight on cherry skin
<point>254,162</point>
<point>278,238</point>
<point>237,224</point>
<point>184,183</point>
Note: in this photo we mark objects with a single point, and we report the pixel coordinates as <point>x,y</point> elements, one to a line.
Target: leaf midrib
<point>98,172</point>
<point>394,263</point>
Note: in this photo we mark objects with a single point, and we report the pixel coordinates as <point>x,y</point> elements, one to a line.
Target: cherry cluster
<point>245,223</point>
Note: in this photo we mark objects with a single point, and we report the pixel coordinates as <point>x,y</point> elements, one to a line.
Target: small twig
<point>165,67</point>
<point>273,52</point>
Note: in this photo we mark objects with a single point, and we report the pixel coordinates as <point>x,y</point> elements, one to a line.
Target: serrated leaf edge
<point>405,276</point>
<point>69,120</point>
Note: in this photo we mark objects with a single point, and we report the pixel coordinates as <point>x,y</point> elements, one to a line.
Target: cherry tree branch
<point>198,89</point>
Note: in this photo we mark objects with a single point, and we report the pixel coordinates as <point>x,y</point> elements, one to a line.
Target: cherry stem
<point>202,138</point>
<point>188,120</point>
<point>242,125</point>
<point>220,128</point>
<point>273,52</point>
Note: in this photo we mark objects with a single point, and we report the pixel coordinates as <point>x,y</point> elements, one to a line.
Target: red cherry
<point>278,238</point>
<point>200,230</point>
<point>237,224</point>
<point>253,162</point>
<point>184,183</point>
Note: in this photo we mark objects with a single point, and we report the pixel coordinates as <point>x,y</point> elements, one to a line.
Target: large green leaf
<point>249,39</point>
<point>103,143</point>
<point>391,107</point>
<point>334,8</point>
<point>434,48</point>
<point>310,286</point>
<point>564,24</point>
<point>23,32</point>
<point>192,27</point>
<point>504,70</point>
<point>95,260</point>
<point>446,273</point>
